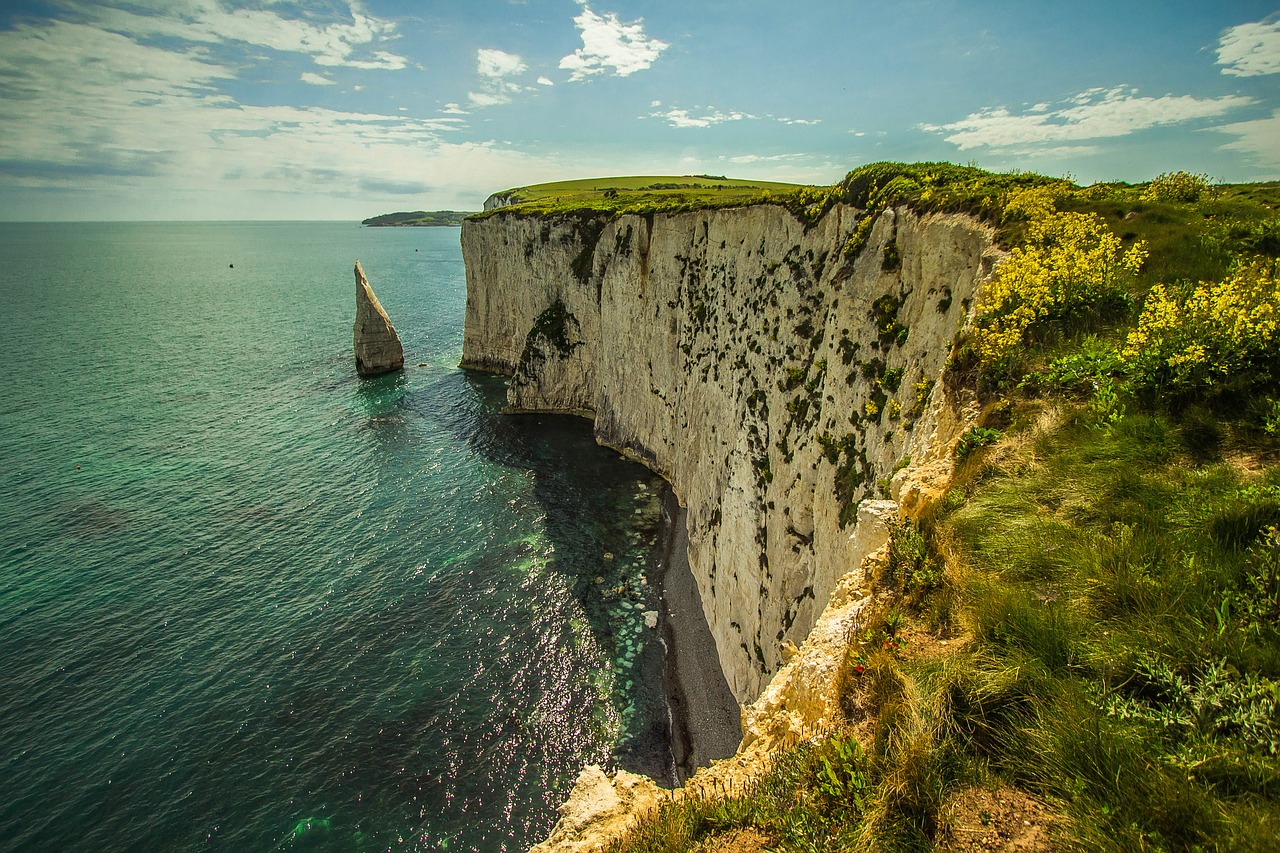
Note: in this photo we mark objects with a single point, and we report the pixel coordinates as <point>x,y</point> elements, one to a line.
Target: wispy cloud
<point>1092,114</point>
<point>330,44</point>
<point>766,158</point>
<point>709,116</point>
<point>1260,139</point>
<point>497,64</point>
<point>1251,50</point>
<point>95,111</point>
<point>497,69</point>
<point>608,44</point>
<point>677,117</point>
<point>315,79</point>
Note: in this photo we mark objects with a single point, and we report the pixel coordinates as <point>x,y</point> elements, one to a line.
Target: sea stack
<point>378,347</point>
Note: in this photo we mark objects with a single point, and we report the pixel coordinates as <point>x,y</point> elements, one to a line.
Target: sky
<point>344,109</point>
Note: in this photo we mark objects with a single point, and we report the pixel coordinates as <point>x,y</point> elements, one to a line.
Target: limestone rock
<point>776,385</point>
<point>599,809</point>
<point>377,345</point>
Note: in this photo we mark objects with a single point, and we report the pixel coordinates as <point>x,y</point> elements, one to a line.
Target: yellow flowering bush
<point>1177,186</point>
<point>1034,202</point>
<point>1211,333</point>
<point>1070,266</point>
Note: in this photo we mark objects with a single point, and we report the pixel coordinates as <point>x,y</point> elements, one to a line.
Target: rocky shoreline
<point>706,722</point>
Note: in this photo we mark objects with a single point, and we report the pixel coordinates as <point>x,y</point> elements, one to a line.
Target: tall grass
<point>1128,603</point>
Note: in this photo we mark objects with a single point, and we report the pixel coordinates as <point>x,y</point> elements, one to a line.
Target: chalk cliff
<point>377,345</point>
<point>776,383</point>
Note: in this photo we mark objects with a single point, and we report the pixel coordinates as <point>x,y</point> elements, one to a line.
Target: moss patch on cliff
<point>555,331</point>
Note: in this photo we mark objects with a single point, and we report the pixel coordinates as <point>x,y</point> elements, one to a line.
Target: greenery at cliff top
<point>640,194</point>
<point>1077,647</point>
<point>418,218</point>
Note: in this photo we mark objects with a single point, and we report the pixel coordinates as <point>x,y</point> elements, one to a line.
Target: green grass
<point>641,194</point>
<point>1193,241</point>
<point>1156,724</point>
<point>1122,662</point>
<point>812,799</point>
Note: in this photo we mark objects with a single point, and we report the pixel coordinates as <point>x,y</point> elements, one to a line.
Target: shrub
<point>1071,271</point>
<point>973,439</point>
<point>911,567</point>
<point>1177,186</point>
<point>1077,374</point>
<point>1191,338</point>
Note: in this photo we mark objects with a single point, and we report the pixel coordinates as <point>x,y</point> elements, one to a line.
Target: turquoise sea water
<point>251,602</point>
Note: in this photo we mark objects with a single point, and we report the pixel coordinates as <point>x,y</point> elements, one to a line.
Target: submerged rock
<point>377,345</point>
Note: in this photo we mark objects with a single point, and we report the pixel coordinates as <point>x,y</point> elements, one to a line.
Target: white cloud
<point>454,110</point>
<point>770,158</point>
<point>1260,139</point>
<point>497,64</point>
<point>608,43</point>
<point>94,112</point>
<point>1093,114</point>
<point>545,81</point>
<point>315,79</point>
<point>708,116</point>
<point>209,22</point>
<point>495,68</point>
<point>1251,50</point>
<point>677,117</point>
<point>480,100</point>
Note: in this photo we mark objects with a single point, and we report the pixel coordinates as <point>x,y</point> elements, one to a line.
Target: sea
<point>250,601</point>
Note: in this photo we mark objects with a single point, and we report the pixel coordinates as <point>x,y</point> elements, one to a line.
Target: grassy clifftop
<point>1078,645</point>
<point>639,194</point>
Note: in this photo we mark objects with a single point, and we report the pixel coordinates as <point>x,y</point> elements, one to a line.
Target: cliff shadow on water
<point>675,707</point>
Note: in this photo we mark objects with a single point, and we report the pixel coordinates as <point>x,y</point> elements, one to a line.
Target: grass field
<point>644,193</point>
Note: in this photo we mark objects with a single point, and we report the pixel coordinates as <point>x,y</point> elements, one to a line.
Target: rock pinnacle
<point>377,345</point>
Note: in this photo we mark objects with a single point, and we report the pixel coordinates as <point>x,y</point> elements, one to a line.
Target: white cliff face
<point>777,386</point>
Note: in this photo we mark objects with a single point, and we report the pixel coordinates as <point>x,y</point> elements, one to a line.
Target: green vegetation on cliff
<point>640,194</point>
<point>1085,629</point>
<point>418,218</point>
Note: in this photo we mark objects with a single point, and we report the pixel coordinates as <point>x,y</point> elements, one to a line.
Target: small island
<point>418,218</point>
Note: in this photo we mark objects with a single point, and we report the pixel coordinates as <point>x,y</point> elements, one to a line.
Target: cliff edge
<point>777,384</point>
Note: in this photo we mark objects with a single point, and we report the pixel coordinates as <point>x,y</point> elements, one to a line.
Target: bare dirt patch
<point>747,840</point>
<point>1003,819</point>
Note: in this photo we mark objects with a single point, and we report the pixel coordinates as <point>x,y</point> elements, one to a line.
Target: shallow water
<point>250,601</point>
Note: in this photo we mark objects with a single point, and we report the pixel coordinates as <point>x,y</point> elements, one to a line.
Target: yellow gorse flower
<point>1209,331</point>
<point>1069,261</point>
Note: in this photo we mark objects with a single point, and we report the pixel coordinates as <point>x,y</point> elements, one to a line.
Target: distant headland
<point>418,218</point>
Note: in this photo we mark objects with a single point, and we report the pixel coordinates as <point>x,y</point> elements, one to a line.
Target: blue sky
<point>220,109</point>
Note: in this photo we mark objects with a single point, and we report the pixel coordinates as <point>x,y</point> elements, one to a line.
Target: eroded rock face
<point>377,345</point>
<point>600,809</point>
<point>776,384</point>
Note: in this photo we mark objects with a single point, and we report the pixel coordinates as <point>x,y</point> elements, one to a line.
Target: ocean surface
<point>249,601</point>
